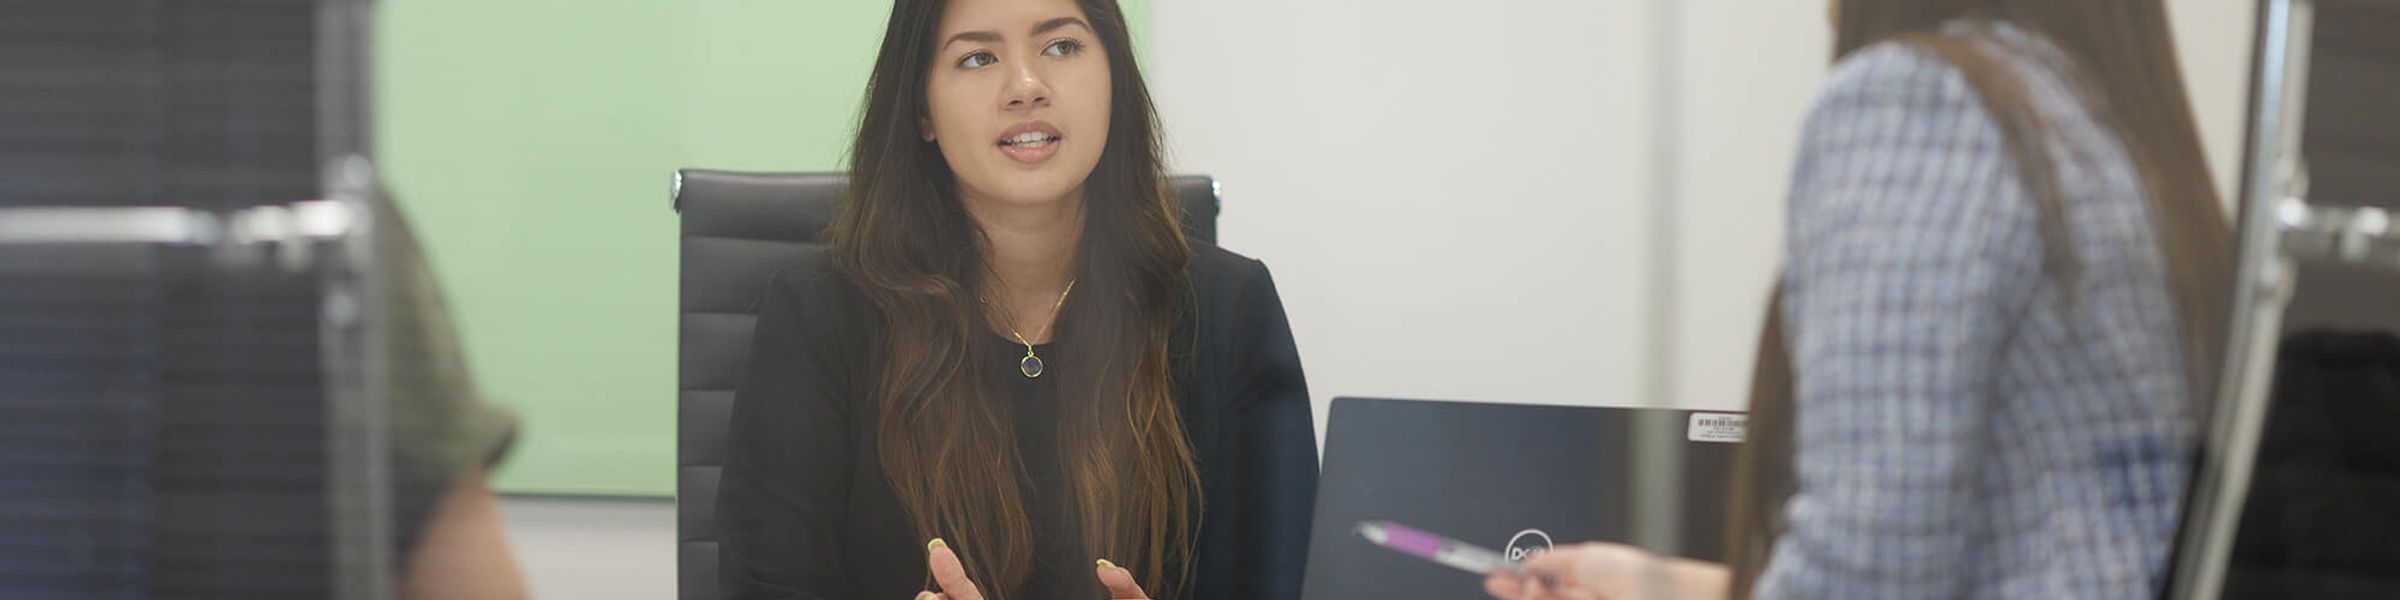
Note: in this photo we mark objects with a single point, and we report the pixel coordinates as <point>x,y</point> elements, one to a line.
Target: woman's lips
<point>1030,141</point>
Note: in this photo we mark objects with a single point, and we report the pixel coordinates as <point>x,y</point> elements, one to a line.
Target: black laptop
<point>1508,477</point>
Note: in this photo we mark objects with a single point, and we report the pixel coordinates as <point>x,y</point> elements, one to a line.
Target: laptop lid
<point>1512,478</point>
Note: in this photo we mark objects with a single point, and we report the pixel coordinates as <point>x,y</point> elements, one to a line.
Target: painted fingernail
<point>925,596</point>
<point>936,544</point>
<point>1104,562</point>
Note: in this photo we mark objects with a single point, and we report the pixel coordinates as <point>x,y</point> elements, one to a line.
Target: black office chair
<point>738,228</point>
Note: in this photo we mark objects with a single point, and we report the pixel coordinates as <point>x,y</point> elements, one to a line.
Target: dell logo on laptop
<point>1527,544</point>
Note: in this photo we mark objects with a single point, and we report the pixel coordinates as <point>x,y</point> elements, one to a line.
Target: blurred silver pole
<point>1657,445</point>
<point>352,332</point>
<point>345,80</point>
<point>358,430</point>
<point>294,226</point>
<point>128,225</point>
<point>2262,286</point>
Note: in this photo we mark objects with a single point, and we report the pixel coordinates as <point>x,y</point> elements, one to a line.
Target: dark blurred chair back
<point>162,426</point>
<point>738,228</point>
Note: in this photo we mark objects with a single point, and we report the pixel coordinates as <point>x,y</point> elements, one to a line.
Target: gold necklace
<point>1031,365</point>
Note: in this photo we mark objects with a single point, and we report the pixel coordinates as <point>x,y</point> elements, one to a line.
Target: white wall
<point>1452,194</point>
<point>1749,70</point>
<point>1444,190</point>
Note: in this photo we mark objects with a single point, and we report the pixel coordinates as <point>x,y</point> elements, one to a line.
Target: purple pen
<point>1456,554</point>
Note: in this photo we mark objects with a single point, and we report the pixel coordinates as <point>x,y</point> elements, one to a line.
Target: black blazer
<point>805,512</point>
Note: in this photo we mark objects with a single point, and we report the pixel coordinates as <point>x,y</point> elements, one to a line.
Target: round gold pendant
<point>1031,366</point>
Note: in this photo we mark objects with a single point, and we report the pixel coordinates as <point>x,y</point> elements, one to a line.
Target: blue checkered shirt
<point>1964,430</point>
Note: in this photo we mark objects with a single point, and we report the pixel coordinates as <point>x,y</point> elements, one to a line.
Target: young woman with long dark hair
<point>1999,315</point>
<point>1008,374</point>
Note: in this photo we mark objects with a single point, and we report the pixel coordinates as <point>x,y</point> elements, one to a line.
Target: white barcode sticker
<point>1718,427</point>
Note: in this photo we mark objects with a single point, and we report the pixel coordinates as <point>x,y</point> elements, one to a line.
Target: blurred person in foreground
<point>1995,329</point>
<point>445,439</point>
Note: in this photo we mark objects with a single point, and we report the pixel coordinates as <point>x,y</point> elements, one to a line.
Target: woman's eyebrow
<point>1055,24</point>
<point>993,37</point>
<point>988,37</point>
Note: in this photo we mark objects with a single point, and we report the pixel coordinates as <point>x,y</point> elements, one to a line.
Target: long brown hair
<point>2121,56</point>
<point>947,443</point>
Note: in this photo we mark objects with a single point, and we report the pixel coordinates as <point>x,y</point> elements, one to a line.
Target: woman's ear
<point>925,128</point>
